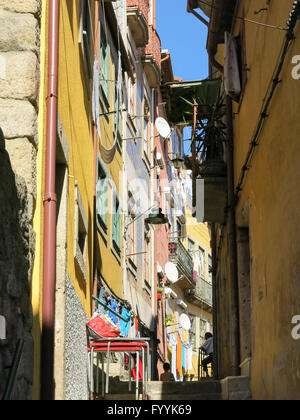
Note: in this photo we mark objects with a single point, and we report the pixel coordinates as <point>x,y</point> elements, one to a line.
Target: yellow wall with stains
<point>269,203</point>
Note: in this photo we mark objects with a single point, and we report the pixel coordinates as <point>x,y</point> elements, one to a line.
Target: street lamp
<point>178,162</point>
<point>157,218</point>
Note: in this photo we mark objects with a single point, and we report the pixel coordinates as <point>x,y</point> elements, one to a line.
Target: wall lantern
<point>157,218</point>
<point>178,162</point>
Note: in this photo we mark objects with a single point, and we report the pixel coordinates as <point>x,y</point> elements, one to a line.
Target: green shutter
<point>104,65</point>
<point>116,222</point>
<point>101,203</point>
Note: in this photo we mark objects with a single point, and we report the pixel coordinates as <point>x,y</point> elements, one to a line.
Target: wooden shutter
<point>116,223</point>
<point>101,204</point>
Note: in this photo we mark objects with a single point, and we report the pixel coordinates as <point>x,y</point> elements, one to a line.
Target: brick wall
<point>143,5</point>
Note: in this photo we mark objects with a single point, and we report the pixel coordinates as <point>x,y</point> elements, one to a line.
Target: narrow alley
<point>149,201</point>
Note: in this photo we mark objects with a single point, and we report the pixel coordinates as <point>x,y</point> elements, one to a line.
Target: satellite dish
<point>185,322</point>
<point>163,127</point>
<point>171,272</point>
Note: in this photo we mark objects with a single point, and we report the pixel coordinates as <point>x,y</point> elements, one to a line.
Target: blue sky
<point>185,37</point>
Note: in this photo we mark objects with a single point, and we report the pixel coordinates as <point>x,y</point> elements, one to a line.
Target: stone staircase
<point>232,388</point>
<point>206,390</point>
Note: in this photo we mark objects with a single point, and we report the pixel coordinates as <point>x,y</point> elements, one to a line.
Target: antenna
<point>171,272</point>
<point>163,127</point>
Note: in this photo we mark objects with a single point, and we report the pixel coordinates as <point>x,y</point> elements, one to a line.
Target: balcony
<point>207,163</point>
<point>137,15</point>
<point>151,58</point>
<point>179,256</point>
<point>201,295</point>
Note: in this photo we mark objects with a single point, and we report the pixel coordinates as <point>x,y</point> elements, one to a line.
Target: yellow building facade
<point>256,258</point>
<point>75,190</point>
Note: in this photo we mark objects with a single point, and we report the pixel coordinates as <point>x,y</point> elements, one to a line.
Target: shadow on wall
<point>16,238</point>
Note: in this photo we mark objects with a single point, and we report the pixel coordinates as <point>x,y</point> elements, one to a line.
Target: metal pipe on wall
<point>49,239</point>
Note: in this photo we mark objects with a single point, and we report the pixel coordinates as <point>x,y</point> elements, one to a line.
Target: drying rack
<point>103,347</point>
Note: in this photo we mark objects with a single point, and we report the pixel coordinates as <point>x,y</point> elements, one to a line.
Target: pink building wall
<point>162,242</point>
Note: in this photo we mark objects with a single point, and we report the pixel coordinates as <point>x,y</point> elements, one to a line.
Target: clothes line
<point>109,309</point>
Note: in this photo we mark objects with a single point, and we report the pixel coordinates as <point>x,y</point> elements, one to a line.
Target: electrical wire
<point>293,18</point>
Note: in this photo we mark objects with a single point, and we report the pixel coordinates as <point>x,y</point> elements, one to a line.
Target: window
<point>81,233</point>
<point>102,197</point>
<point>118,96</point>
<point>131,97</point>
<point>147,140</point>
<point>242,59</point>
<point>116,224</point>
<point>131,229</point>
<point>201,263</point>
<point>104,66</point>
<point>85,35</point>
<point>118,116</point>
<point>191,245</point>
<point>209,269</point>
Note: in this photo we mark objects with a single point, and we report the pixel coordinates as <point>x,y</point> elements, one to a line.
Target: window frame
<point>104,67</point>
<point>116,215</point>
<point>85,38</point>
<point>102,223</point>
<point>81,226</point>
<point>242,61</point>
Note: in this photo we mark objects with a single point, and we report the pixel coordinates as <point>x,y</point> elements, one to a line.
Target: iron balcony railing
<point>203,291</point>
<point>181,258</point>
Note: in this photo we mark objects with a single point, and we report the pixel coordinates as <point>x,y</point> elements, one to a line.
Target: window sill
<point>79,260</point>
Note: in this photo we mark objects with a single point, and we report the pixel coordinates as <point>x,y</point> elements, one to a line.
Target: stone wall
<point>15,266</point>
<point>75,346</point>
<point>19,84</point>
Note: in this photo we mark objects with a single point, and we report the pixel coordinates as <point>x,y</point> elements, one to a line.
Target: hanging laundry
<point>133,371</point>
<point>185,336</point>
<point>124,325</point>
<point>184,357</point>
<point>113,305</point>
<point>136,325</point>
<point>179,356</point>
<point>190,358</point>
<point>173,344</point>
<point>131,329</point>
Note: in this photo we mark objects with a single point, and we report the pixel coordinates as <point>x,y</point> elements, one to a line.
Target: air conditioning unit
<point>169,293</point>
<point>181,303</point>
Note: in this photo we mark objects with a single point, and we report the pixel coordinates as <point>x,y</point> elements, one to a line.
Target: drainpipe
<point>49,255</point>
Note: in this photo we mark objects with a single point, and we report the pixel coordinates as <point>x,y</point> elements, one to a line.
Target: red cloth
<point>102,328</point>
<point>133,371</point>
